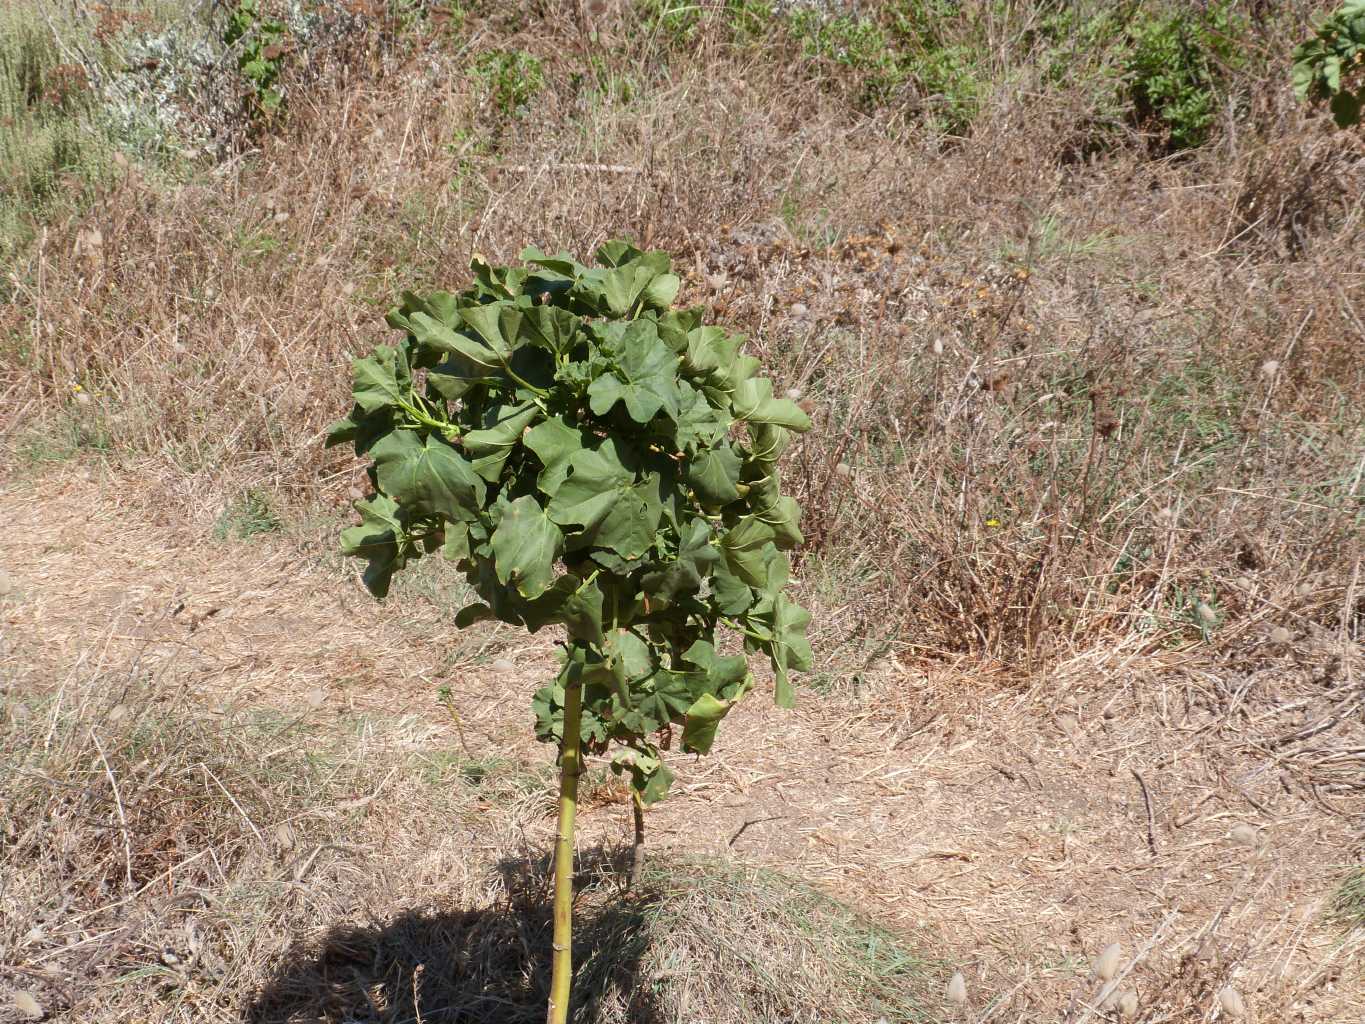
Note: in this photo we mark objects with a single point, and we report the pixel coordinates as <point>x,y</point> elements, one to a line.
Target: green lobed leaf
<point>714,474</point>
<point>380,538</point>
<point>745,547</point>
<point>525,547</point>
<point>554,442</point>
<point>470,355</point>
<point>381,379</point>
<point>492,444</point>
<point>426,475</point>
<point>644,376</point>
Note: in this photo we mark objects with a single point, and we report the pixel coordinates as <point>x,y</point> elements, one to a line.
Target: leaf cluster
<point>261,44</point>
<point>589,457</point>
<point>1331,66</point>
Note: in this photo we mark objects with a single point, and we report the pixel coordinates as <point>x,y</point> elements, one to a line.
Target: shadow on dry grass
<point>453,966</point>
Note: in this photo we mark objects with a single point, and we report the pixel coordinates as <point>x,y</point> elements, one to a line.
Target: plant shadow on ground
<point>443,966</point>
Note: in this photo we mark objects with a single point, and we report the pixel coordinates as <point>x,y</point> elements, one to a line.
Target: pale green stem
<point>570,767</point>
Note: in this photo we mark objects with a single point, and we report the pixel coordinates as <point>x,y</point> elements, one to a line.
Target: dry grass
<point>1008,832</point>
<point>160,864</point>
<point>1062,402</point>
<point>1073,400</point>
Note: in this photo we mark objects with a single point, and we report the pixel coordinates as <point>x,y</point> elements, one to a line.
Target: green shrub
<point>592,458</point>
<point>1161,66</point>
<point>1176,61</point>
<point>1330,67</point>
<point>510,78</point>
<point>259,42</point>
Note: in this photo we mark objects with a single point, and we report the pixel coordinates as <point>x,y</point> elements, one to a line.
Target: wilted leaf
<point>699,730</point>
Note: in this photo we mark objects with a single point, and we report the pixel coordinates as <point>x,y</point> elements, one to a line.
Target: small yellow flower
<point>77,387</point>
<point>992,522</point>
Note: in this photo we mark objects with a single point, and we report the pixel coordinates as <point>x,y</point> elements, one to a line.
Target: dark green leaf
<point>592,482</point>
<point>644,377</point>
<point>525,546</point>
<point>1345,108</point>
<point>554,442</point>
<point>472,613</point>
<point>744,547</point>
<point>478,357</point>
<point>426,475</point>
<point>380,380</point>
<point>491,445</point>
<point>380,539</point>
<point>497,326</point>
<point>713,474</point>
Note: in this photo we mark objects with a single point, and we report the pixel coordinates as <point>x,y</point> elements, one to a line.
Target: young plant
<point>261,44</point>
<point>1331,65</point>
<point>591,458</point>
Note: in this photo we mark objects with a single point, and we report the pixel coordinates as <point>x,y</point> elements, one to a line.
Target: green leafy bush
<point>511,79</point>
<point>1330,67</point>
<point>1175,63</point>
<point>260,43</point>
<point>1161,66</point>
<point>568,440</point>
<point>589,457</point>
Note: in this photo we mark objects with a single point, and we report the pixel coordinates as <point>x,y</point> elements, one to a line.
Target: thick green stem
<point>570,767</point>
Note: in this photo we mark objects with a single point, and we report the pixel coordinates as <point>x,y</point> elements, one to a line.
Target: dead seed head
<point>1128,1004</point>
<point>1108,997</point>
<point>1230,1000</point>
<point>28,1007</point>
<point>502,666</point>
<point>1269,368</point>
<point>957,989</point>
<point>1107,963</point>
<point>843,469</point>
<point>1280,635</point>
<point>1245,835</point>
